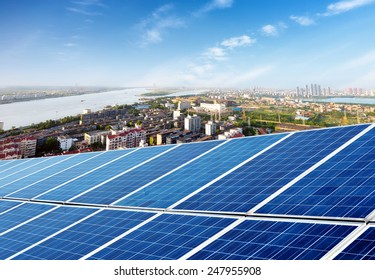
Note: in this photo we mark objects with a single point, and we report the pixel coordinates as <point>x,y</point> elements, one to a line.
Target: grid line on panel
<point>166,237</point>
<point>311,169</point>
<point>251,184</point>
<point>32,232</point>
<point>122,173</point>
<point>84,174</point>
<point>362,248</point>
<point>345,243</point>
<point>228,172</point>
<point>52,175</point>
<point>341,187</point>
<point>172,188</point>
<point>88,255</point>
<point>29,220</point>
<point>37,162</point>
<point>37,171</point>
<point>51,193</point>
<point>277,240</point>
<point>170,172</point>
<point>14,161</point>
<point>52,235</point>
<point>7,209</point>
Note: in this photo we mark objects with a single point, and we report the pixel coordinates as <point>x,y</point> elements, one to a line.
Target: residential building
<point>95,137</point>
<point>193,123</point>
<point>210,128</point>
<point>28,147</point>
<point>66,142</point>
<point>129,138</point>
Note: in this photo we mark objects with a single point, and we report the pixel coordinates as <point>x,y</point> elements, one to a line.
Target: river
<point>26,113</point>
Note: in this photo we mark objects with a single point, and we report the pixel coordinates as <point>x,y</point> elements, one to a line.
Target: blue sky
<point>211,43</point>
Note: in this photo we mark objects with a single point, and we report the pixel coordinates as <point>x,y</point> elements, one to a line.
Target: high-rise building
<point>193,123</point>
<point>210,128</point>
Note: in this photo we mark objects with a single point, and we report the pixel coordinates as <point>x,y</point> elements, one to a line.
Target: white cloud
<point>214,5</point>
<point>345,6</point>
<point>215,53</point>
<point>70,45</point>
<point>83,11</point>
<point>303,20</point>
<point>156,26</point>
<point>235,42</point>
<point>270,30</point>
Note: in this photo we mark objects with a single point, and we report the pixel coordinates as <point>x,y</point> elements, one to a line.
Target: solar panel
<point>303,195</point>
<point>86,236</point>
<point>250,184</point>
<point>41,171</point>
<point>275,240</point>
<point>108,172</point>
<point>166,237</point>
<point>123,185</point>
<point>21,214</point>
<point>83,165</point>
<point>168,190</point>
<point>363,248</point>
<point>5,205</point>
<point>34,231</point>
<point>341,187</point>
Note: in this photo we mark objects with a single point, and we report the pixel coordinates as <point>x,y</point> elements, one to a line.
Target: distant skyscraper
<point>319,90</point>
<point>329,91</point>
<point>316,89</point>
<point>307,90</point>
<point>312,90</point>
<point>298,93</point>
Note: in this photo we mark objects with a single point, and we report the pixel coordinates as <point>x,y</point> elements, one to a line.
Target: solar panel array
<point>302,195</point>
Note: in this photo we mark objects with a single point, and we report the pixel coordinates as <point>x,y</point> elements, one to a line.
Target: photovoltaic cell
<point>168,190</point>
<point>341,187</point>
<point>166,237</point>
<point>41,171</point>
<point>21,214</point>
<point>10,166</point>
<point>363,248</point>
<point>123,185</point>
<point>34,231</point>
<point>86,236</point>
<point>84,165</point>
<point>269,240</point>
<point>250,184</point>
<point>5,205</point>
<point>99,176</point>
<point>21,168</point>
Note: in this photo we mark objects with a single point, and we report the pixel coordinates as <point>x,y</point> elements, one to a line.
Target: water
<point>347,100</point>
<point>26,113</point>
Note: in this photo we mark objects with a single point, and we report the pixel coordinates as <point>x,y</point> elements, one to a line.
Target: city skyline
<point>211,43</point>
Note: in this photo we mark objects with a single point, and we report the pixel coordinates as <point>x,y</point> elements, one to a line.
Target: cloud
<point>89,3</point>
<point>240,41</point>
<point>270,30</point>
<point>70,45</point>
<point>215,53</point>
<point>345,6</point>
<point>156,26</point>
<point>302,20</point>
<point>214,5</point>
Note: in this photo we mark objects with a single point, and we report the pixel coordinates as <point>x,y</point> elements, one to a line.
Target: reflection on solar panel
<point>303,195</point>
<point>363,248</point>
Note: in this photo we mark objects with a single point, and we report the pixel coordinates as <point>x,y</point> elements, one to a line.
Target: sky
<point>191,43</point>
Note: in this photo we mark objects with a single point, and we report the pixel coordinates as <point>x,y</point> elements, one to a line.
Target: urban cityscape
<point>210,130</point>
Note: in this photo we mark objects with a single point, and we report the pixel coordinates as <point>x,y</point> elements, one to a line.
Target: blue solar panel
<point>189,178</point>
<point>12,166</point>
<point>341,187</point>
<point>84,165</point>
<point>363,248</point>
<point>5,205</point>
<point>27,169</point>
<point>107,172</point>
<point>21,214</point>
<point>86,236</point>
<point>34,231</point>
<point>166,237</point>
<point>41,171</point>
<point>247,186</point>
<point>123,185</point>
<point>268,240</point>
